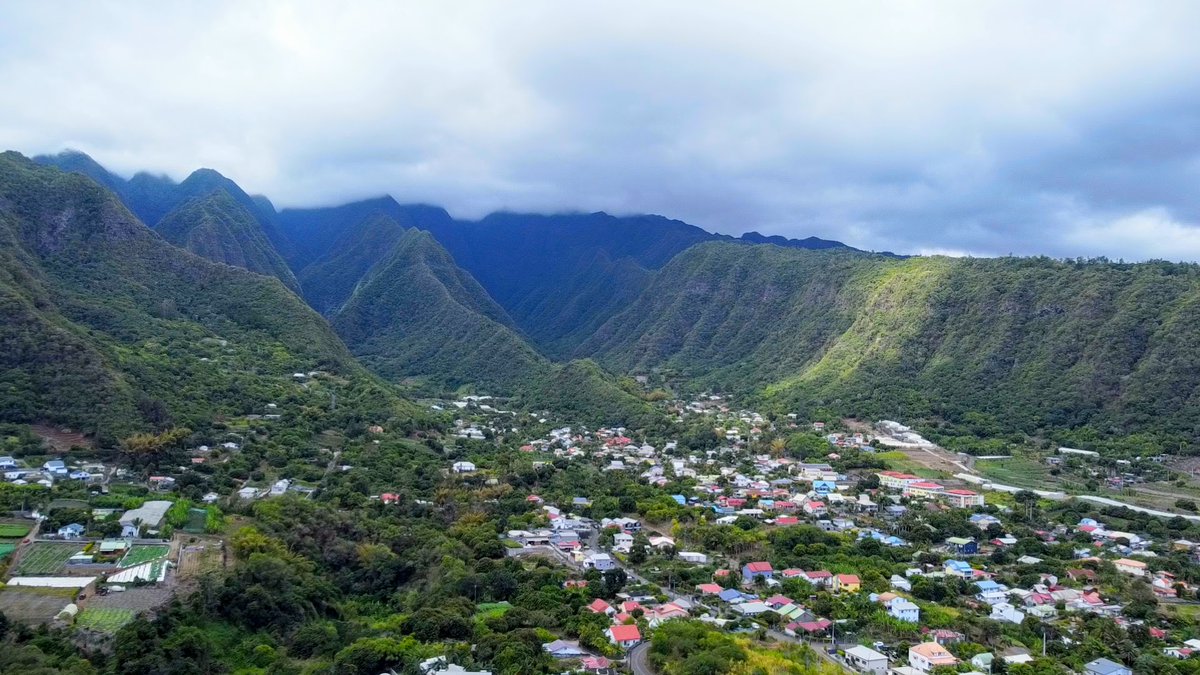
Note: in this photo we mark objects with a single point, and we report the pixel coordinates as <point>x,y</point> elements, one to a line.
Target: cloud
<point>982,127</point>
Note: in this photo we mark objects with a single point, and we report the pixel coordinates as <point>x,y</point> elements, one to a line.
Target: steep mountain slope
<point>152,197</point>
<point>109,328</point>
<point>315,232</point>
<point>995,345</point>
<point>417,314</point>
<point>217,227</point>
<point>559,276</point>
<point>329,281</point>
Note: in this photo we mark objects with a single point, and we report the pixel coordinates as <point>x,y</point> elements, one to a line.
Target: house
<point>757,570</point>
<point>846,583</point>
<point>72,531</point>
<point>923,490</point>
<point>693,557</point>
<point>900,583</point>
<point>929,655</point>
<point>564,649</point>
<point>55,467</point>
<point>600,561</point>
<point>962,545</point>
<point>904,609</point>
<point>958,568</point>
<point>1134,568</point>
<point>820,578</point>
<point>624,636</point>
<point>708,589</point>
<point>622,541</point>
<point>895,480</point>
<point>463,467</point>
<point>815,508</point>
<point>751,608</point>
<point>7,463</point>
<point>599,606</point>
<point>963,499</point>
<point>150,515</point>
<point>596,664</point>
<point>1105,667</point>
<point>867,660</point>
<point>1007,613</point>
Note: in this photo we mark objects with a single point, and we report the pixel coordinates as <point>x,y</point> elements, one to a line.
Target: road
<point>638,661</point>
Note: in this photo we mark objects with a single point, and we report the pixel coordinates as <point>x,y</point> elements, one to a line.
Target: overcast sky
<point>958,127</point>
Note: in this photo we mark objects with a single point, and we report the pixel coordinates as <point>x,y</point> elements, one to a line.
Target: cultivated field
<point>14,530</point>
<point>146,598</point>
<point>34,605</point>
<point>143,554</point>
<point>199,558</point>
<point>6,549</point>
<point>46,558</point>
<point>104,619</point>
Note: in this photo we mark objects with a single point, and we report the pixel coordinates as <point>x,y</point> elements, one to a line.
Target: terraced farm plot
<point>6,549</point>
<point>143,554</point>
<point>14,530</point>
<point>46,558</point>
<point>34,605</point>
<point>104,619</point>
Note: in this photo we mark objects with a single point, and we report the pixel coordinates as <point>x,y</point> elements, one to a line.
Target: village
<point>804,532</point>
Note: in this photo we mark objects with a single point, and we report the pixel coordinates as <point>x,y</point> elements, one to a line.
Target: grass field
<point>142,554</point>
<point>46,558</point>
<point>1018,471</point>
<point>6,549</point>
<point>104,619</point>
<point>14,530</point>
<point>900,461</point>
<point>488,610</point>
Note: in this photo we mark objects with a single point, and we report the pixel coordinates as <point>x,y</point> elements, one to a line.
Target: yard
<point>46,558</point>
<point>104,619</point>
<point>143,554</point>
<point>1018,471</point>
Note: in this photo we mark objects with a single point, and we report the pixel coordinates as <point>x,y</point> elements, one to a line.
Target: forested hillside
<point>417,314</point>
<point>110,329</point>
<point>1074,350</point>
<point>216,227</point>
<point>152,197</point>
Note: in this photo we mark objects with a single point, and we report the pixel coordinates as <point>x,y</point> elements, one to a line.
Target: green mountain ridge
<point>220,229</point>
<point>110,329</point>
<point>1082,350</point>
<point>417,314</point>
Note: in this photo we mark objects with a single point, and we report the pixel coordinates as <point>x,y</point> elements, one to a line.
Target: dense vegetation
<point>1079,351</point>
<point>110,329</point>
<point>216,227</point>
<point>417,313</point>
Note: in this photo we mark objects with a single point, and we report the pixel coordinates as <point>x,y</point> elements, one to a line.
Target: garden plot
<point>104,619</point>
<point>46,558</point>
<point>143,554</point>
<point>14,530</point>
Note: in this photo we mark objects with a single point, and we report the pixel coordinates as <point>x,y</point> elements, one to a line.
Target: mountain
<point>979,347</point>
<point>315,232</point>
<point>559,277</point>
<point>217,227</point>
<point>151,197</point>
<point>329,281</point>
<point>110,329</point>
<point>417,314</point>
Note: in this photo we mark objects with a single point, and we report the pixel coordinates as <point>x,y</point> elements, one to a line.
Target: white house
<point>904,610</point>
<point>867,660</point>
<point>463,467</point>
<point>693,557</point>
<point>1006,612</point>
<point>600,561</point>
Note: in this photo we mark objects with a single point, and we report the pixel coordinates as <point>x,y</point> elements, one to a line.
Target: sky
<point>966,128</point>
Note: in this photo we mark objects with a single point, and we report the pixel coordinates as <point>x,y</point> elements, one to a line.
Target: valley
<point>372,437</point>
